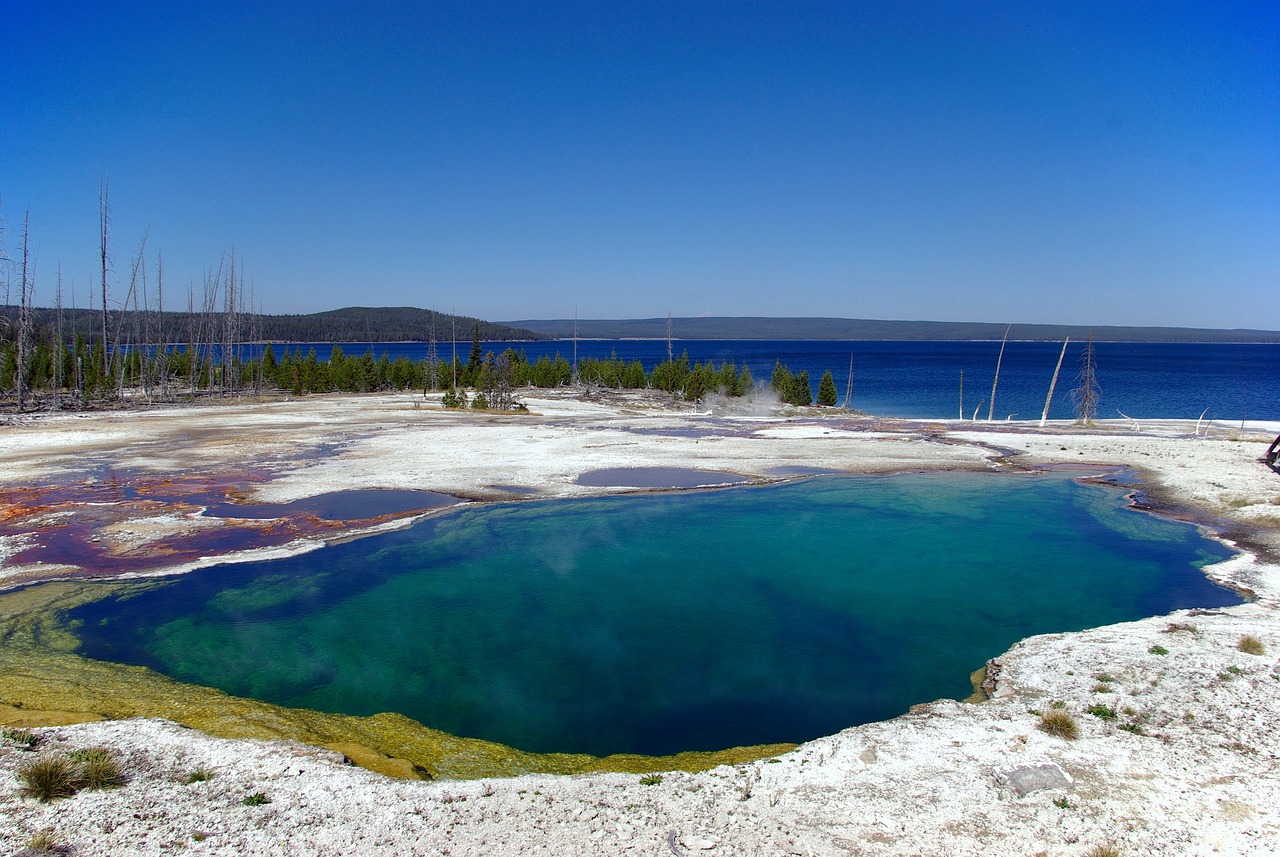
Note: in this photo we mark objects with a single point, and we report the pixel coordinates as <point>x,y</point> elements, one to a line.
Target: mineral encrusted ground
<point>1184,758</point>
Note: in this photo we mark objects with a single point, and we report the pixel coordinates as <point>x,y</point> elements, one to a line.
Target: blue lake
<point>1145,380</point>
<point>664,622</point>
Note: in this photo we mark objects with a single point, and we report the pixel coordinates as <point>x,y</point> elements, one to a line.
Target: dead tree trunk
<point>992,410</point>
<point>1049,398</point>
<point>104,223</point>
<point>1087,391</point>
<point>24,311</point>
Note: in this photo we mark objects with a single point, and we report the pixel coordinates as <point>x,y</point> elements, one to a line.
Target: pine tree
<point>801,394</point>
<point>827,396</point>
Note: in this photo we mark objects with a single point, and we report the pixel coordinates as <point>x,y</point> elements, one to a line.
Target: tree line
<point>46,368</point>
<point>132,347</point>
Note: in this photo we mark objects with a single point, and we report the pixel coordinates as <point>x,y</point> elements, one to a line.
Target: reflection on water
<point>657,623</point>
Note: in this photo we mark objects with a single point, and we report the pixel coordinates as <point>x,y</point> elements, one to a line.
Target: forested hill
<point>383,324</point>
<point>743,327</point>
<point>351,324</point>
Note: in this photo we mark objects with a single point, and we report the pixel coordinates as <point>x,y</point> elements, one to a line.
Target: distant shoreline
<point>859,330</point>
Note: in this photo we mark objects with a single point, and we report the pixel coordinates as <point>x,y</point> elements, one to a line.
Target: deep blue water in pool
<point>661,623</point>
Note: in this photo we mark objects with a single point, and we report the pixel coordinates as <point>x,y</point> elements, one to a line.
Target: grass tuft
<point>47,779</point>
<point>1102,711</point>
<point>1157,650</point>
<point>24,738</point>
<point>1251,645</point>
<point>199,775</point>
<point>255,799</point>
<point>1059,723</point>
<point>1103,851</point>
<point>44,842</point>
<point>98,768</point>
<point>650,779</point>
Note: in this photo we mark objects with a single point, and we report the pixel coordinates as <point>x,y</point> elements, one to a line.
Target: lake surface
<point>1146,380</point>
<point>660,623</point>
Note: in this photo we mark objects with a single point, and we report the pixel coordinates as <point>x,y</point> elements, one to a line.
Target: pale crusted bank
<point>1188,764</point>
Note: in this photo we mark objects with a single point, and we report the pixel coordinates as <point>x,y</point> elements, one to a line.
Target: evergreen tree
<point>473,361</point>
<point>801,394</point>
<point>792,389</point>
<point>827,396</point>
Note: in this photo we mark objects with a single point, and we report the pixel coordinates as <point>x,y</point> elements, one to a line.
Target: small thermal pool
<point>657,477</point>
<point>355,505</point>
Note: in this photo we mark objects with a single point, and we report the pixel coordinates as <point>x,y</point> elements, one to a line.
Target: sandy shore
<point>1190,764</point>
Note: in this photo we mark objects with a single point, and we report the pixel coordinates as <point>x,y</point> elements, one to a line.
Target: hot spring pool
<point>665,622</point>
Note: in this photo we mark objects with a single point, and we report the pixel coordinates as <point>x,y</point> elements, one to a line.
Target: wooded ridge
<point>744,327</point>
<point>349,324</point>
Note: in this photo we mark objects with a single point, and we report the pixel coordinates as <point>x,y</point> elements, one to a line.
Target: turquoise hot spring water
<point>656,623</point>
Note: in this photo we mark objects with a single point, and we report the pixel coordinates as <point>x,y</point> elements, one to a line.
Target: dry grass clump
<point>98,768</point>
<point>1059,723</point>
<point>1251,645</point>
<point>45,842</point>
<point>47,778</point>
<point>1103,851</point>
<point>64,774</point>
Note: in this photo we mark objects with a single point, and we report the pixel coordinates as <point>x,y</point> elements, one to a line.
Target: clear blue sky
<point>1076,162</point>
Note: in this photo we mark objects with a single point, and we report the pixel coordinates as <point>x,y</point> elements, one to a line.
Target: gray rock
<point>1025,779</point>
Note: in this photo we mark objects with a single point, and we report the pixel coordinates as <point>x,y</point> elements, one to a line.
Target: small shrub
<point>1105,678</point>
<point>199,775</point>
<point>1102,711</point>
<point>84,754</point>
<point>1135,728</point>
<point>24,738</point>
<point>1251,645</point>
<point>1157,650</point>
<point>1062,803</point>
<point>255,799</point>
<point>650,779</point>
<point>1060,724</point>
<point>47,779</point>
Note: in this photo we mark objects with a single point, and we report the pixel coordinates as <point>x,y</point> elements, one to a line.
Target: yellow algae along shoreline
<point>390,442</point>
<point>44,683</point>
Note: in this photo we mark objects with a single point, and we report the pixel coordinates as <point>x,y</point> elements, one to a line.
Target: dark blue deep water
<point>660,623</point>
<point>1145,380</point>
